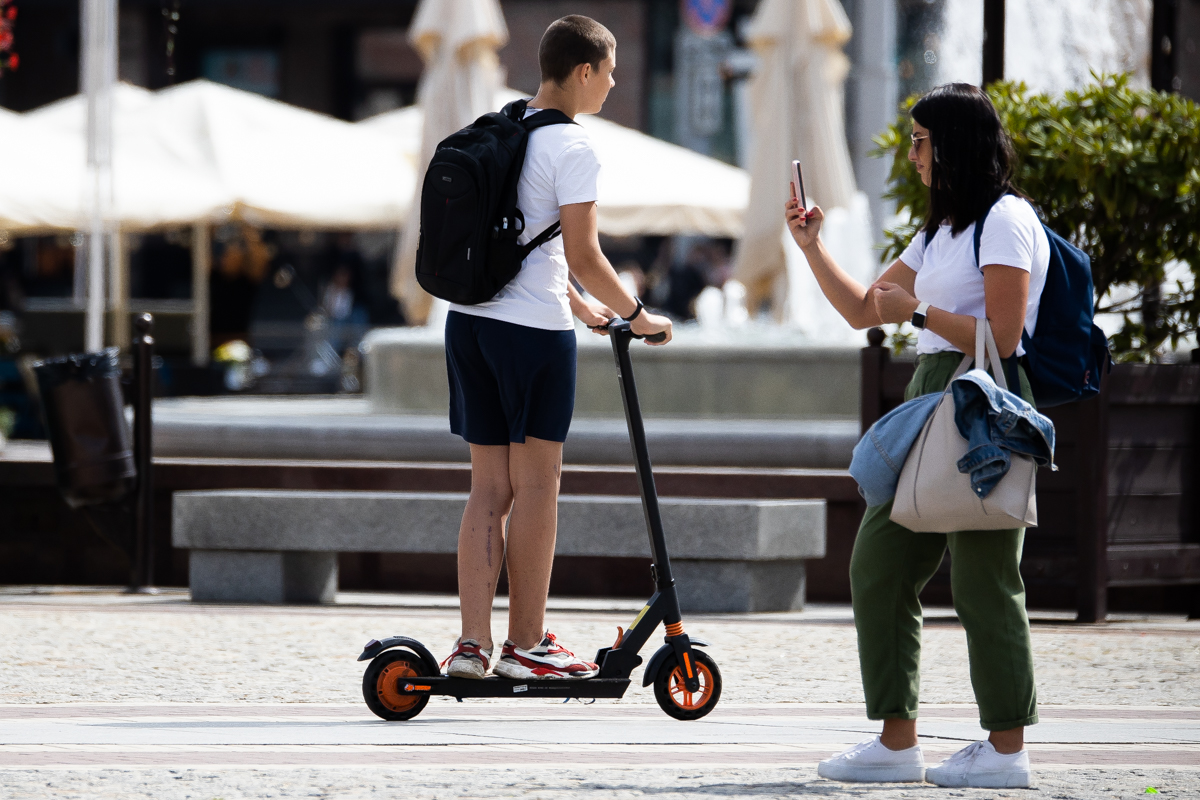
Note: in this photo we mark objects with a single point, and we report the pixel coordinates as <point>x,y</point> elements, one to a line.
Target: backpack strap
<point>979,230</point>
<point>554,230</point>
<point>549,116</point>
<point>1010,363</point>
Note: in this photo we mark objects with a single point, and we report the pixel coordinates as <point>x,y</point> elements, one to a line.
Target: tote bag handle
<point>985,351</point>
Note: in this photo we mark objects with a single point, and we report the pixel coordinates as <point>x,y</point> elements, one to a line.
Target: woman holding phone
<point>965,158</point>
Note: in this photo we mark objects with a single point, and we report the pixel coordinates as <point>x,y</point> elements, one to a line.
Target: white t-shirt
<point>948,277</point>
<point>561,168</point>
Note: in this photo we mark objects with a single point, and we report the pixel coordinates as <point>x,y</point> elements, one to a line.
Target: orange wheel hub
<point>680,695</point>
<point>385,687</point>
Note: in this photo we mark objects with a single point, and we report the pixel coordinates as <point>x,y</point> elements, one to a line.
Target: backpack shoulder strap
<point>524,250</point>
<point>979,230</point>
<point>549,116</point>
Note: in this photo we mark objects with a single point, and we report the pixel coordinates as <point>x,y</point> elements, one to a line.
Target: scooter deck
<point>506,687</point>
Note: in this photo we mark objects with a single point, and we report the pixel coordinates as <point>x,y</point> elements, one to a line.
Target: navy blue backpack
<point>1067,353</point>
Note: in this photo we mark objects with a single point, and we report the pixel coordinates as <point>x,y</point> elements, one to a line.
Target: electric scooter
<point>403,674</point>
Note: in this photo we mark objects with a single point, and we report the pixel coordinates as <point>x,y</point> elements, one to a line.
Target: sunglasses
<point>916,140</point>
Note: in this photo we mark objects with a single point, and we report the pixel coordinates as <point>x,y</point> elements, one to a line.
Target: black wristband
<point>636,311</point>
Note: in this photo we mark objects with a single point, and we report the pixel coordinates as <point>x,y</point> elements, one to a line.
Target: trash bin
<point>85,420</point>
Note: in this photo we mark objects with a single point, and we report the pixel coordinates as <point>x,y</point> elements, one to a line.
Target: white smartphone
<point>798,185</point>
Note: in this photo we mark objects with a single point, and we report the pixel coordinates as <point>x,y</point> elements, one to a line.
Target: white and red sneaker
<point>548,660</point>
<point>468,660</point>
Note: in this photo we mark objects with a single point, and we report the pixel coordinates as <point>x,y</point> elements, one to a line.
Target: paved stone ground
<point>103,695</point>
<point>613,783</point>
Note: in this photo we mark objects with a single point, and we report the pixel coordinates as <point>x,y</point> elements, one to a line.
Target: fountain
<point>755,371</point>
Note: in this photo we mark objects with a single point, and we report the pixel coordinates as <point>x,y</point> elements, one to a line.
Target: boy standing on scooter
<point>511,365</point>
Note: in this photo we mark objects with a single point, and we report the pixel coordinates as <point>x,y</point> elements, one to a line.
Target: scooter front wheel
<point>386,672</point>
<point>671,692</point>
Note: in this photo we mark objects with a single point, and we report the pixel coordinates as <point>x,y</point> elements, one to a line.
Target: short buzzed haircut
<point>571,41</point>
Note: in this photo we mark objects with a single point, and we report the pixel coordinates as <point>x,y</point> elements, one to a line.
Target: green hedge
<point>1114,169</point>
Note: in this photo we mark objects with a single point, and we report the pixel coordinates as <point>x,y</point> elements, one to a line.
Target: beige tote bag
<point>934,497</point>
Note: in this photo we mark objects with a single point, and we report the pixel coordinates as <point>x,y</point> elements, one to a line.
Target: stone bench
<point>281,546</point>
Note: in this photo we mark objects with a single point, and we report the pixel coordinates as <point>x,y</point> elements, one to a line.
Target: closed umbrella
<point>458,40</point>
<point>798,112</point>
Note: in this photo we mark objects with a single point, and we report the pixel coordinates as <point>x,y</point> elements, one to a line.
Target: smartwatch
<point>918,317</point>
<point>639,308</point>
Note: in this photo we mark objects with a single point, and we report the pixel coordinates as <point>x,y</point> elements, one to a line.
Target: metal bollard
<point>142,576</point>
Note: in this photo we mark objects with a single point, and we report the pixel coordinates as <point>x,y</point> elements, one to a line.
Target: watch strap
<point>919,316</point>
<point>636,311</point>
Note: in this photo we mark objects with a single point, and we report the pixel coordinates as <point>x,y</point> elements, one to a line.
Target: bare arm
<point>851,299</point>
<point>587,263</point>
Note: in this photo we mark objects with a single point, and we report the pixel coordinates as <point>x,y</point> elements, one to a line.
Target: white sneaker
<point>870,762</point>
<point>547,660</point>
<point>979,766</point>
<point>468,660</point>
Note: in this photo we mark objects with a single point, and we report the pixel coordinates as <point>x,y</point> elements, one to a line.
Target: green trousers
<point>890,566</point>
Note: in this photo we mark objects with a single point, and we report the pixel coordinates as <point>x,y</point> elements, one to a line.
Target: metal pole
<point>98,74</point>
<point>143,514</point>
<point>201,266</point>
<point>118,288</point>
<point>1164,18</point>
<point>993,41</point>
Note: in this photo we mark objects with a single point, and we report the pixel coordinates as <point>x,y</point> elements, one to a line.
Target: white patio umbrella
<point>797,103</point>
<point>204,152</point>
<point>647,186</point>
<point>458,40</point>
<point>286,167</point>
<point>41,189</point>
<point>160,177</point>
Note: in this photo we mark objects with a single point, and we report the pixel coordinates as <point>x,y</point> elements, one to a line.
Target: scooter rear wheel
<point>381,685</point>
<point>673,696</point>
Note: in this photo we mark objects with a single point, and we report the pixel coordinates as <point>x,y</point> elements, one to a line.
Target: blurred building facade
<point>351,59</point>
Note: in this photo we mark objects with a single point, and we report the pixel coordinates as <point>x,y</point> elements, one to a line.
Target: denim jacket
<point>995,422</point>
<point>880,453</point>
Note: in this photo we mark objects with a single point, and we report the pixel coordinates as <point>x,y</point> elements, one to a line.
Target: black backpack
<point>468,251</point>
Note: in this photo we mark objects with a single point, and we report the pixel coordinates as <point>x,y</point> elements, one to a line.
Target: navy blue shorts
<point>508,381</point>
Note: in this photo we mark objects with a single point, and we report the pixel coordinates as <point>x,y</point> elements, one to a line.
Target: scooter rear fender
<point>660,657</point>
<point>375,647</point>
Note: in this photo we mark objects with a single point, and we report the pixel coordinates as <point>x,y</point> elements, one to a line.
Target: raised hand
<point>804,225</point>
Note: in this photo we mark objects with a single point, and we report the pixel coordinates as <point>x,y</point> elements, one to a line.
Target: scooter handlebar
<point>618,325</point>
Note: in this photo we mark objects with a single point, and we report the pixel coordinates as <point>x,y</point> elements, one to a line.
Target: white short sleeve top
<point>561,169</point>
<point>948,277</point>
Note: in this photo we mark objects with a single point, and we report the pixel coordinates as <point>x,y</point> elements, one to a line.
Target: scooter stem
<point>621,334</point>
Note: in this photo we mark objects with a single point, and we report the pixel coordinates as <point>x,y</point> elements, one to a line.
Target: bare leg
<point>533,470</point>
<point>1009,741</point>
<point>481,540</point>
<point>899,734</point>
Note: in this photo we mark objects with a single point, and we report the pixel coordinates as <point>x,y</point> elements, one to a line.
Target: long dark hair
<point>972,155</point>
